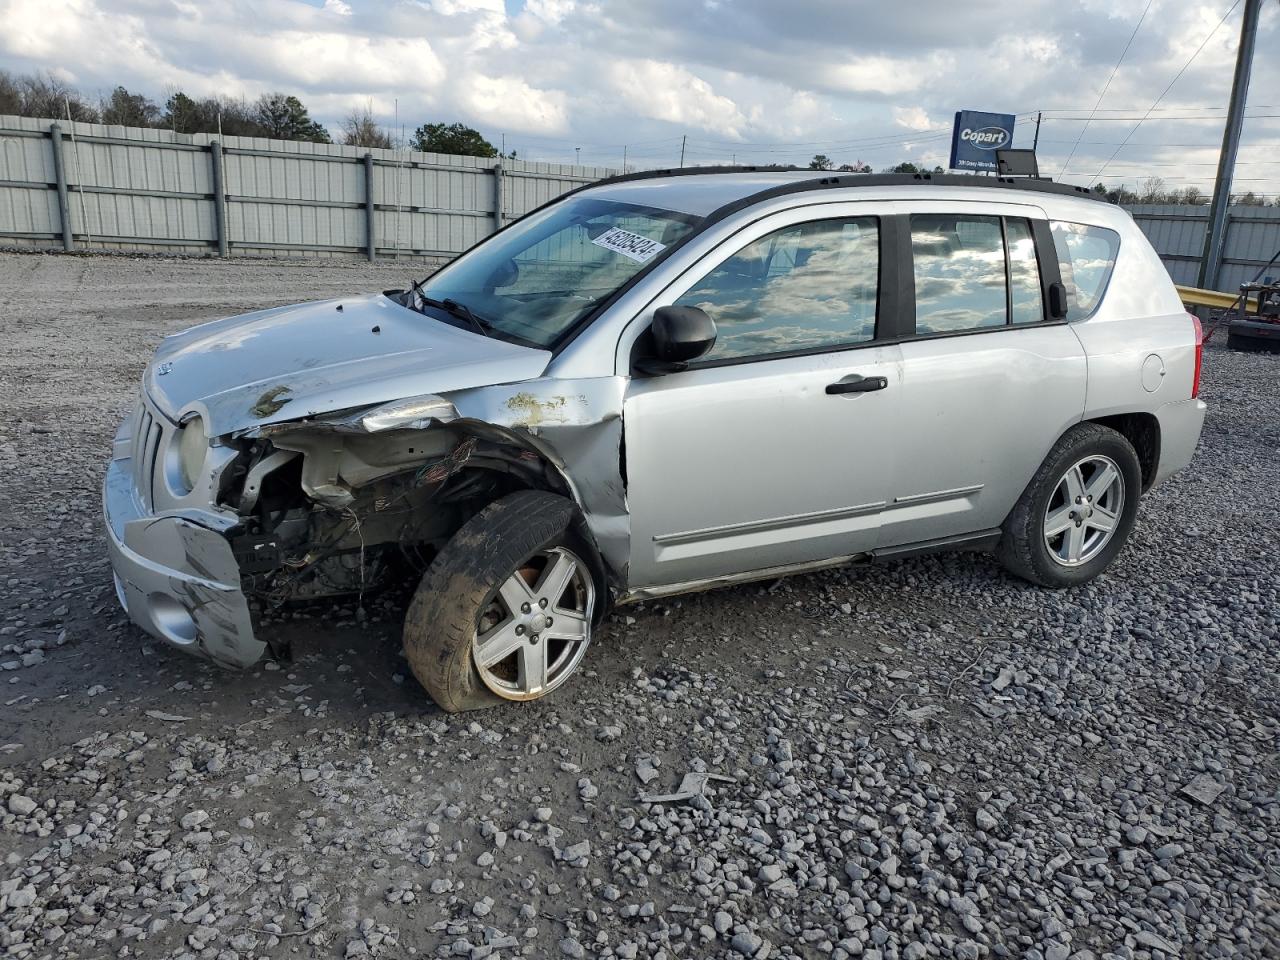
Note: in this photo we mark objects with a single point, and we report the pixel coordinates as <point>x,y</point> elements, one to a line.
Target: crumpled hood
<point>314,358</point>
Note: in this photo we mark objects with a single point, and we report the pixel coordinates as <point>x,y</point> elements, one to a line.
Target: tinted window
<point>1025,302</point>
<point>959,271</point>
<point>801,287</point>
<point>1086,257</point>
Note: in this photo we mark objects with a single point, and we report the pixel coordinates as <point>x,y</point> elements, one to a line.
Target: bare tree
<point>1152,190</point>
<point>1192,196</point>
<point>44,95</point>
<point>359,129</point>
<point>10,95</point>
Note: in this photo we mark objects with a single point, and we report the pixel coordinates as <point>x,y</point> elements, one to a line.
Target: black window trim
<point>1008,274</point>
<point>1040,272</point>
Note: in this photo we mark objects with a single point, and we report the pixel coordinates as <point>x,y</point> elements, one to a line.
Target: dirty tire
<point>462,581</point>
<point>1022,548</point>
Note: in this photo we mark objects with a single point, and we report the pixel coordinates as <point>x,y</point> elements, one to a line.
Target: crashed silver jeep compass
<point>657,384</point>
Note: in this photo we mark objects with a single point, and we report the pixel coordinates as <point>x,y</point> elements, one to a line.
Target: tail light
<point>1195,380</point>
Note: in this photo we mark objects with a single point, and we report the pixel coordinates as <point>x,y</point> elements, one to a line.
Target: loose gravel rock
<point>922,759</point>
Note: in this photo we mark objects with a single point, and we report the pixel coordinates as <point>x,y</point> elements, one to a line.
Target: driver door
<point>775,449</point>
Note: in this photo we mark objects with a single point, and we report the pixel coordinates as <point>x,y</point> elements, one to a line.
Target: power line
<point>1185,106</point>
<point>1175,79</point>
<point>1161,143</point>
<point>1105,87</point>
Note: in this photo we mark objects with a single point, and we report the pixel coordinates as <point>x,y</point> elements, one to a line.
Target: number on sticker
<point>632,245</point>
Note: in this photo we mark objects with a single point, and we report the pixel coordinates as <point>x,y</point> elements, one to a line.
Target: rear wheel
<point>1077,511</point>
<point>505,611</point>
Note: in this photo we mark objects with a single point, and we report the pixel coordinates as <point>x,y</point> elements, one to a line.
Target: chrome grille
<point>146,445</point>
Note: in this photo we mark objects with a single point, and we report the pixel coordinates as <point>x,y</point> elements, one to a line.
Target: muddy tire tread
<point>441,619</point>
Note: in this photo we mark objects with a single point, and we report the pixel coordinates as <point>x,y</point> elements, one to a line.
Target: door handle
<point>856,383</point>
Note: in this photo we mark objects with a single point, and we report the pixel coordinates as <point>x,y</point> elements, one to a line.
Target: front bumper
<point>176,576</point>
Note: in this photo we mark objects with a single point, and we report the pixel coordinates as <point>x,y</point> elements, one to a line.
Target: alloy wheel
<point>535,632</point>
<point>1084,511</point>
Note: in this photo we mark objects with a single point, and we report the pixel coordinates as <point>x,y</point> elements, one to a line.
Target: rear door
<point>990,381</point>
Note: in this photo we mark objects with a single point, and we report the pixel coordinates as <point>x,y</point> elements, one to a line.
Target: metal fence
<point>88,186</point>
<point>1177,232</point>
<point>91,186</point>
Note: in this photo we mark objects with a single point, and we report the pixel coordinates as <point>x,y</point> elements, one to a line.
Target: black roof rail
<point>692,171</point>
<point>832,179</point>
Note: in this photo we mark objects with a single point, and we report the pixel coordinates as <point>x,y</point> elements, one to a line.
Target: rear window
<point>1086,257</point>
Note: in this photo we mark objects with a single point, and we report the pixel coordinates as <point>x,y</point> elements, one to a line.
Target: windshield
<point>544,273</point>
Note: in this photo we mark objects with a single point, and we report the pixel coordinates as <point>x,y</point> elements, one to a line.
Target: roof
<point>699,192</point>
<point>704,191</point>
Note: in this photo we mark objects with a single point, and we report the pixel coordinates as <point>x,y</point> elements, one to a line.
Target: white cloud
<point>880,75</point>
<point>511,104</point>
<point>550,11</point>
<point>912,118</point>
<point>664,91</point>
<point>752,79</point>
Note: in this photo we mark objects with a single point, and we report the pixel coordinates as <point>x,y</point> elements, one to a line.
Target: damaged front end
<point>342,503</point>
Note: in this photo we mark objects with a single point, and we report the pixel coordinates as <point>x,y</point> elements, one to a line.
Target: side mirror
<point>505,275</point>
<point>1057,300</point>
<point>681,334</point>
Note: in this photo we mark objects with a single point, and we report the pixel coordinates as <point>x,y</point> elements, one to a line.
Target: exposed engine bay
<point>329,513</point>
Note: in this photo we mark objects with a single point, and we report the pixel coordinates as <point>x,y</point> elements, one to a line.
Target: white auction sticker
<point>638,248</point>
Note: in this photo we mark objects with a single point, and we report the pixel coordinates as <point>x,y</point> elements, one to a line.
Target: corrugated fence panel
<point>27,209</point>
<point>153,189</point>
<point>146,189</point>
<point>1177,232</point>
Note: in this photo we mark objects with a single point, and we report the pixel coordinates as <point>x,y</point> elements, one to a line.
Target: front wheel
<point>1076,513</point>
<point>505,611</point>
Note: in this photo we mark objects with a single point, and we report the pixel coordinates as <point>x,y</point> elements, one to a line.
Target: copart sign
<point>976,138</point>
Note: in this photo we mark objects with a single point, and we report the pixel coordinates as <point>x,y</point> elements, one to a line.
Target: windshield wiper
<point>460,310</point>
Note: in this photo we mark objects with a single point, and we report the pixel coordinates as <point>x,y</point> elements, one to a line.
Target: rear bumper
<point>175,575</point>
<point>1180,425</point>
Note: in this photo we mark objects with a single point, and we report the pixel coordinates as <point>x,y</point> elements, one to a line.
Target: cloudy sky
<point>751,80</point>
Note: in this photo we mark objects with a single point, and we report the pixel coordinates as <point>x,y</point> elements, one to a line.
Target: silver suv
<point>658,384</point>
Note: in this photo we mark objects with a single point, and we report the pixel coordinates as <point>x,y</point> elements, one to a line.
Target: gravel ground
<point>922,759</point>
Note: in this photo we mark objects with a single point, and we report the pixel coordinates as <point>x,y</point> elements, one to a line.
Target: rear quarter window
<point>1086,258</point>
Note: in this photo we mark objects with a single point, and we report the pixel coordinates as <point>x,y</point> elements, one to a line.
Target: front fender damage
<point>565,436</point>
<point>577,426</point>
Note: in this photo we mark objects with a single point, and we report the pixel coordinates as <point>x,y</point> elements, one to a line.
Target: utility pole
<point>683,140</point>
<point>1215,236</point>
<point>1035,141</point>
<point>624,158</point>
